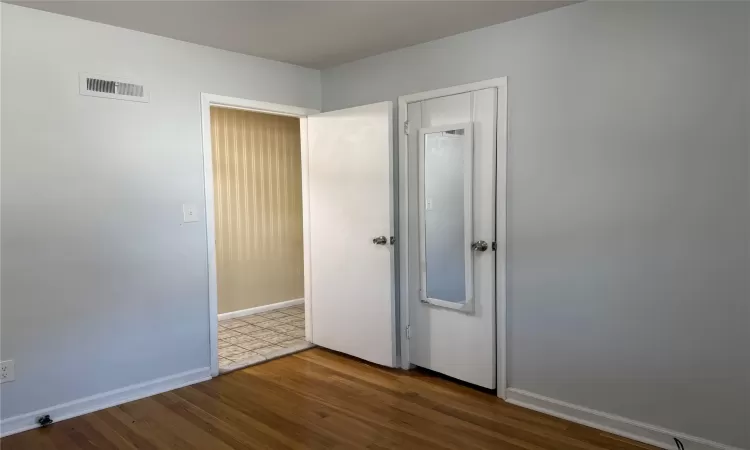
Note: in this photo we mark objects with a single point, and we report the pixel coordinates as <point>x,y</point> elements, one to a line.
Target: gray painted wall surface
<point>103,286</point>
<point>629,200</point>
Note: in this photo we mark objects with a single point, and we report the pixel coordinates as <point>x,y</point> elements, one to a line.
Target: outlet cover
<point>189,213</point>
<point>7,371</point>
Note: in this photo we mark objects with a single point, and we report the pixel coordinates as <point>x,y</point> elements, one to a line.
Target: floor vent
<point>119,89</point>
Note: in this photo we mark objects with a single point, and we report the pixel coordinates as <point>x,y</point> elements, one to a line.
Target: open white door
<point>351,260</point>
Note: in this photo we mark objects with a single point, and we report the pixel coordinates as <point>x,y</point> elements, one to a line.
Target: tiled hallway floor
<point>248,340</point>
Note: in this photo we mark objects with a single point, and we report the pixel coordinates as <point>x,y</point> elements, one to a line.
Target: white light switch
<point>189,213</point>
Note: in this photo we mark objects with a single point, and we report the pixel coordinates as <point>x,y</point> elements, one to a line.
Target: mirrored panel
<point>445,208</point>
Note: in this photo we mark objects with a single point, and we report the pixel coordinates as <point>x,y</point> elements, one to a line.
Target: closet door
<point>351,261</point>
<point>452,147</point>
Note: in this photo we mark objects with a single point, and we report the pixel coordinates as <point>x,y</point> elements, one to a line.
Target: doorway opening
<point>348,255</point>
<point>258,236</point>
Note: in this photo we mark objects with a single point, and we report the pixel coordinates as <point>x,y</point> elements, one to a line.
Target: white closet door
<point>450,337</point>
<point>352,280</point>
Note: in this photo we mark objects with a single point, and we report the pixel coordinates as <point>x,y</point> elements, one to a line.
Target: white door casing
<point>352,279</point>
<point>207,101</point>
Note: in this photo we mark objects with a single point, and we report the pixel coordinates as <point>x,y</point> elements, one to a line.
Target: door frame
<point>501,84</point>
<point>207,101</point>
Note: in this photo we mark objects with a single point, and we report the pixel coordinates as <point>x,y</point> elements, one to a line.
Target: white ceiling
<point>316,34</point>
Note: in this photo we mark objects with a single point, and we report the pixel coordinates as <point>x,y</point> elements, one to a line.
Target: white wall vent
<point>108,87</point>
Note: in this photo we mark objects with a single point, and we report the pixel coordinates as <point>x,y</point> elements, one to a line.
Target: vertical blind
<point>258,208</point>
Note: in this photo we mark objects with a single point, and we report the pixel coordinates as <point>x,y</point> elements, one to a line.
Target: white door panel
<point>449,110</point>
<point>460,344</point>
<point>351,278</point>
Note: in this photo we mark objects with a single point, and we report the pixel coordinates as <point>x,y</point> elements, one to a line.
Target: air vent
<point>97,86</point>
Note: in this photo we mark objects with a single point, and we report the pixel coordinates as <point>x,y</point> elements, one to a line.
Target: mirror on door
<point>445,193</point>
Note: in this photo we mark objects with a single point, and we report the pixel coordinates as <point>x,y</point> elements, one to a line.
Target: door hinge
<point>406,127</point>
<point>408,332</point>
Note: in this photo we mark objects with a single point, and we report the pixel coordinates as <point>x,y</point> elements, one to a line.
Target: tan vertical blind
<point>258,208</point>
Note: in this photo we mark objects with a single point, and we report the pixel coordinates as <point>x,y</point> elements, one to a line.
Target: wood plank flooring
<point>319,400</point>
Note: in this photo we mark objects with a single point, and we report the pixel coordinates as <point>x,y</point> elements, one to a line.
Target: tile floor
<point>248,340</point>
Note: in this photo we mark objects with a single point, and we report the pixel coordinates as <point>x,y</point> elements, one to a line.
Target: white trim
<point>257,106</point>
<point>453,90</point>
<point>260,309</point>
<point>208,100</point>
<point>306,252</point>
<point>392,225</point>
<point>501,226</point>
<point>403,234</point>
<point>621,426</point>
<point>104,400</point>
<point>208,180</point>
<point>501,236</point>
<point>468,213</point>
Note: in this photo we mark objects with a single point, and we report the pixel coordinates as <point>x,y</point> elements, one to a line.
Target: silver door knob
<point>479,246</point>
<point>380,240</point>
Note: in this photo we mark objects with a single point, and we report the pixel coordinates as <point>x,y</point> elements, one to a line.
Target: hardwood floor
<point>318,400</point>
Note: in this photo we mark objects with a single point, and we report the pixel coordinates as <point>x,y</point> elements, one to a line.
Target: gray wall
<point>102,284</point>
<point>629,202</point>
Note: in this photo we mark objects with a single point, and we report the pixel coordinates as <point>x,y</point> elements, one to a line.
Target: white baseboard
<point>96,402</point>
<point>639,431</point>
<point>260,309</point>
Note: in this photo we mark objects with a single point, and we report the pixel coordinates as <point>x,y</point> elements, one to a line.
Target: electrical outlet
<point>7,371</point>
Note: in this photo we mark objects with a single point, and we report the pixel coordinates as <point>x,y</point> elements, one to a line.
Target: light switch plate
<point>7,371</point>
<point>189,213</point>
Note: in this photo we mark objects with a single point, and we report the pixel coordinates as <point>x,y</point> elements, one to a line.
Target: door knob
<point>479,246</point>
<point>380,240</point>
